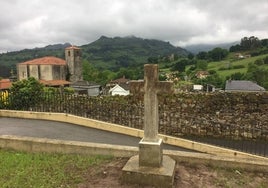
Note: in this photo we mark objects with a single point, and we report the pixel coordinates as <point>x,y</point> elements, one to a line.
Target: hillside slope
<point>104,54</point>
<point>117,52</point>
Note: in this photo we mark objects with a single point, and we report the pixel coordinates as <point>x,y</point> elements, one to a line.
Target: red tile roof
<point>45,61</point>
<point>120,80</point>
<point>5,84</point>
<point>54,82</point>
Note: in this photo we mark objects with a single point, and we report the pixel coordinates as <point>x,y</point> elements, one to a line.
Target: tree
<point>4,71</point>
<point>257,74</point>
<point>264,42</point>
<point>214,80</point>
<point>235,48</point>
<point>265,60</point>
<point>190,56</point>
<point>26,93</point>
<point>237,76</point>
<point>89,72</point>
<point>179,65</point>
<point>152,60</point>
<point>217,54</point>
<point>202,65</point>
<point>250,43</point>
<point>202,55</point>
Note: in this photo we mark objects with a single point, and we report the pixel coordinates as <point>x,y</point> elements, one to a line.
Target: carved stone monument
<point>150,167</point>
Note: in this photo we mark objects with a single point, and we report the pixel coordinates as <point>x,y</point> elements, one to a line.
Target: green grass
<point>19,169</point>
<point>232,63</point>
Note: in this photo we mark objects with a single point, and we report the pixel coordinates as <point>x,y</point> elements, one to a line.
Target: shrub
<point>4,99</point>
<point>259,62</point>
<point>238,67</point>
<point>26,93</point>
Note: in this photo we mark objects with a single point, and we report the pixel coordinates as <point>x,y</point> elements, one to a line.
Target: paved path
<point>66,131</point>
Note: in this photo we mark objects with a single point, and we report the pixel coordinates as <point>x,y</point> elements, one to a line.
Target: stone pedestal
<point>162,177</point>
<point>150,153</point>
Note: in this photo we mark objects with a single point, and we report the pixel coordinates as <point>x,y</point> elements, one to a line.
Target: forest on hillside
<point>111,58</point>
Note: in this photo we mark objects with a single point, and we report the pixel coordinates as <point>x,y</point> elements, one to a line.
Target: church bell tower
<point>74,63</point>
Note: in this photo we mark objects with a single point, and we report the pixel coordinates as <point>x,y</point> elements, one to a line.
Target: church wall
<point>22,72</point>
<point>58,72</point>
<point>33,71</point>
<point>46,72</point>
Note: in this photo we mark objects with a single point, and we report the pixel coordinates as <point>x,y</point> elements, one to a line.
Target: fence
<point>174,119</point>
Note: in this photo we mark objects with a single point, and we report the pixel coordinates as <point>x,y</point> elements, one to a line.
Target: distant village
<point>56,72</point>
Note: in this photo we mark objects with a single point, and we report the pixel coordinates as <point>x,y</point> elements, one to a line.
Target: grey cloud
<point>25,24</point>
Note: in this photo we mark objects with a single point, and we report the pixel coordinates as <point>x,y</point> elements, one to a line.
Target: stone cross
<point>151,87</point>
<point>150,167</point>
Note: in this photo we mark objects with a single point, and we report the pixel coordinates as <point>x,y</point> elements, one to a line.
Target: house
<point>88,88</point>
<point>5,84</point>
<point>242,86</point>
<point>119,81</point>
<point>201,74</point>
<point>122,82</point>
<point>118,90</point>
<point>197,87</point>
<point>53,71</point>
<point>240,56</point>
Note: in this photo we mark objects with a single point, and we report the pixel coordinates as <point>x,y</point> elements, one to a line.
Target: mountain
<point>104,53</point>
<point>57,46</point>
<point>207,47</point>
<point>117,52</point>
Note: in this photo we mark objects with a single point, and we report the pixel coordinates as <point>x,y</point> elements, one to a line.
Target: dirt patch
<point>187,175</point>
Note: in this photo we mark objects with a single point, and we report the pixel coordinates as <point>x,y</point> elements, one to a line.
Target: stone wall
<point>212,115</point>
<point>233,115</point>
<point>228,115</point>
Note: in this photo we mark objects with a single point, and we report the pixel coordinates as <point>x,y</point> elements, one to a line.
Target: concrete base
<point>143,175</point>
<point>150,153</point>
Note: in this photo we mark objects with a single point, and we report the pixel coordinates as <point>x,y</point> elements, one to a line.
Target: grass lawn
<point>19,169</point>
<point>227,63</point>
<point>41,170</point>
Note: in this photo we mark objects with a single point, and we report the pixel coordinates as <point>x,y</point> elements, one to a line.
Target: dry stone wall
<point>236,115</point>
<point>221,115</point>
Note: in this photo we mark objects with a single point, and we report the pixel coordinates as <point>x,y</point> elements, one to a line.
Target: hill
<point>115,53</point>
<point>105,53</point>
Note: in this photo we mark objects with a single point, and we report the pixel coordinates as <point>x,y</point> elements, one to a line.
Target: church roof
<point>120,80</point>
<point>45,61</point>
<point>5,84</point>
<point>55,82</point>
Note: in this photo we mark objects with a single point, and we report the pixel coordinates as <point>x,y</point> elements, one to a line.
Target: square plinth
<point>163,176</point>
<point>150,153</point>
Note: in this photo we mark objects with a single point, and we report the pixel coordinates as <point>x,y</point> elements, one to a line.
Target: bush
<point>265,60</point>
<point>26,93</point>
<point>4,99</point>
<point>238,67</point>
<point>259,62</point>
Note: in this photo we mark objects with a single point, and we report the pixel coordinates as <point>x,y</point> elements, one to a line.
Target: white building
<point>118,90</point>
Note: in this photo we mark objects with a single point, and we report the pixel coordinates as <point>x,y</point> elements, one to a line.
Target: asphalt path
<point>67,131</point>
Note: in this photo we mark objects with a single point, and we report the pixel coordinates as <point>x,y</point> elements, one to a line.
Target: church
<point>53,71</point>
<point>56,72</point>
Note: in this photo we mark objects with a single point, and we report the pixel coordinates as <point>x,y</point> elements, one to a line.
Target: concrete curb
<point>31,144</point>
<point>212,151</point>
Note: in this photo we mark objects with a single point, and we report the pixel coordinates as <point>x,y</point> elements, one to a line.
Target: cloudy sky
<point>37,23</point>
